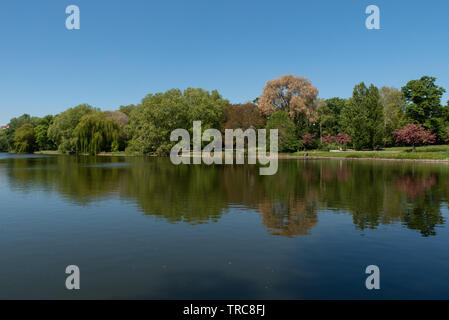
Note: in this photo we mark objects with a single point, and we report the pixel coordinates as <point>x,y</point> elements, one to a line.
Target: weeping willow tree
<point>96,133</point>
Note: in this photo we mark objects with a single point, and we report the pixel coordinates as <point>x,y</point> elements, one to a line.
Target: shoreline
<point>286,156</point>
<point>280,156</point>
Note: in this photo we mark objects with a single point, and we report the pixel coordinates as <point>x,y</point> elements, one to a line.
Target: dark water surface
<point>144,228</point>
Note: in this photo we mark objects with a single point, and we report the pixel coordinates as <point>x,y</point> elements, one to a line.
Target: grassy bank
<point>399,153</point>
<point>440,153</point>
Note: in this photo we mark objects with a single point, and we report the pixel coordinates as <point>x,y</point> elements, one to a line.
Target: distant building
<point>4,127</point>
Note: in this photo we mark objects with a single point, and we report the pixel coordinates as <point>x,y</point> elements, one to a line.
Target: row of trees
<point>372,118</point>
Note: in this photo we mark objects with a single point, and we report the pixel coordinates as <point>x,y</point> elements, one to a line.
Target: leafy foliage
<point>61,131</point>
<point>286,131</point>
<point>25,139</point>
<point>16,123</point>
<point>363,117</point>
<point>423,97</point>
<point>308,140</point>
<point>394,105</point>
<point>4,147</point>
<point>368,120</point>
<point>95,133</point>
<point>293,95</point>
<point>43,140</point>
<point>159,114</point>
<point>243,116</point>
<point>414,135</point>
<point>128,109</point>
<point>330,115</point>
<point>343,139</point>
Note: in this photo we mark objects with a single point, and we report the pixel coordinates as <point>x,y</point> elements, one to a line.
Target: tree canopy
<point>370,119</point>
<point>61,131</point>
<point>243,116</point>
<point>95,133</point>
<point>423,98</point>
<point>161,113</point>
<point>288,140</point>
<point>363,117</point>
<point>293,95</point>
<point>25,139</point>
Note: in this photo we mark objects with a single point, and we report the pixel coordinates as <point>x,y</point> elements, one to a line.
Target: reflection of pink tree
<point>413,134</point>
<point>415,187</point>
<point>308,174</point>
<point>343,174</point>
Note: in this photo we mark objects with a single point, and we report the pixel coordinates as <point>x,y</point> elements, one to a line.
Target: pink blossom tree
<point>327,139</point>
<point>413,134</point>
<point>308,140</point>
<point>343,139</point>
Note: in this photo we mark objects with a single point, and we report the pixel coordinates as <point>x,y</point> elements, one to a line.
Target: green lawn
<point>423,153</point>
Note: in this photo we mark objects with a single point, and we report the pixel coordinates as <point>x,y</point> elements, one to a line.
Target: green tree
<point>287,139</point>
<point>330,116</point>
<point>363,117</point>
<point>423,98</point>
<point>16,123</point>
<point>394,105</point>
<point>3,141</point>
<point>128,109</point>
<point>42,139</point>
<point>25,139</point>
<point>61,131</point>
<point>96,133</point>
<point>159,114</point>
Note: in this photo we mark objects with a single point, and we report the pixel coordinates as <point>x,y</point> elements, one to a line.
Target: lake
<point>143,228</point>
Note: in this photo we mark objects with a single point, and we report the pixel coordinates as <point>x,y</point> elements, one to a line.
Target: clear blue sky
<point>127,49</point>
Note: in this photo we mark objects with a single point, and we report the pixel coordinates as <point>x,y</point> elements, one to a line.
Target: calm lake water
<point>142,228</point>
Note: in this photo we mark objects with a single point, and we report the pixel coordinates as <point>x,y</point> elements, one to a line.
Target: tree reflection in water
<point>373,192</point>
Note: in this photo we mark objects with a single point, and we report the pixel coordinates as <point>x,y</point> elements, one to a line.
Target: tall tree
<point>287,139</point>
<point>394,105</point>
<point>42,138</point>
<point>293,95</point>
<point>423,98</point>
<point>330,116</point>
<point>363,117</point>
